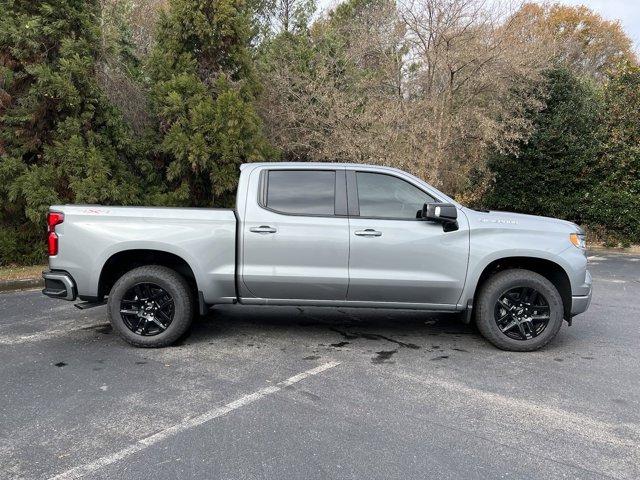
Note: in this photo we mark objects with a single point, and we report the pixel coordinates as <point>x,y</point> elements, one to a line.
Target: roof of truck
<point>314,164</point>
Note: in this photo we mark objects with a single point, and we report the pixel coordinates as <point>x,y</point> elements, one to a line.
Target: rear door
<point>396,257</point>
<point>296,235</point>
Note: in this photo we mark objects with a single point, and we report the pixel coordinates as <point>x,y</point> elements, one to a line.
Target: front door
<point>396,257</point>
<point>296,236</point>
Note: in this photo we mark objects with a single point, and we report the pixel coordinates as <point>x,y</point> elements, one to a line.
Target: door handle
<point>263,229</point>
<point>369,232</point>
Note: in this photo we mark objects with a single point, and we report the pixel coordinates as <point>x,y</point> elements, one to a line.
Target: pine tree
<point>203,90</point>
<point>60,140</point>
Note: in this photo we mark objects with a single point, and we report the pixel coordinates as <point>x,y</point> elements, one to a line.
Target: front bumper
<point>58,284</point>
<point>580,304</point>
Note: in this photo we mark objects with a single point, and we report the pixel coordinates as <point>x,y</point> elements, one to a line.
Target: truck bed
<point>92,234</point>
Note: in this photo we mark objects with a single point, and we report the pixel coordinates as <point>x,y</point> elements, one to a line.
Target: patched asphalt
<point>412,395</point>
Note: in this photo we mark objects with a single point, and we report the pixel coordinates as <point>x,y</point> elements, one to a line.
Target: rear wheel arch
<point>126,260</point>
<point>549,269</point>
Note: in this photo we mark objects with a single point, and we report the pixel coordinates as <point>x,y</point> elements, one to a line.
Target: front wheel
<point>151,306</point>
<point>519,310</point>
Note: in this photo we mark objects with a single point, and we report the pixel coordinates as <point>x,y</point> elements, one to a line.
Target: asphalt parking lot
<point>292,393</point>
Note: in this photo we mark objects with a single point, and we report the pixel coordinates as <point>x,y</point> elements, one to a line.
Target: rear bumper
<point>58,284</point>
<point>580,304</point>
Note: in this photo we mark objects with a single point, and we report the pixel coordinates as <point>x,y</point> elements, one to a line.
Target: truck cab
<point>329,234</point>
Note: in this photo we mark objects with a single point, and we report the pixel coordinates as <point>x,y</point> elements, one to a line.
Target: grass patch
<point>21,273</point>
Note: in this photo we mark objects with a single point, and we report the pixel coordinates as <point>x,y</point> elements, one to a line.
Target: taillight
<point>53,219</point>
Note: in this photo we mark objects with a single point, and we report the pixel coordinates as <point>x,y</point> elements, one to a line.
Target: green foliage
<point>117,36</point>
<point>583,161</point>
<point>203,88</point>
<point>551,174</point>
<point>60,140</point>
<point>615,205</point>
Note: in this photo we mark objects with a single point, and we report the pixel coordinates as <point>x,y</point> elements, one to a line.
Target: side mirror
<point>444,213</point>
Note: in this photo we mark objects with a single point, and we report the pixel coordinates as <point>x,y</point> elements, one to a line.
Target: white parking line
<point>82,470</point>
<point>535,417</point>
<point>49,334</point>
<point>610,280</point>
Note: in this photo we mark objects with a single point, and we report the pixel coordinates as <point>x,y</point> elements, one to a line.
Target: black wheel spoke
<point>522,313</point>
<point>523,331</point>
<point>509,326</point>
<point>141,327</point>
<point>526,326</point>
<point>540,309</point>
<point>158,323</point>
<point>138,292</point>
<point>159,294</point>
<point>165,303</point>
<point>164,316</point>
<point>147,309</point>
<point>504,303</point>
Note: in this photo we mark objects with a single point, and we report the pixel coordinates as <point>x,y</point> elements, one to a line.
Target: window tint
<point>302,191</point>
<point>386,196</point>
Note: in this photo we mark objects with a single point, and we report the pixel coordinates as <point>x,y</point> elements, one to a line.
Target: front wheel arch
<point>547,268</point>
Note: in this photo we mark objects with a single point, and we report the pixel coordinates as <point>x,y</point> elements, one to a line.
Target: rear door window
<point>301,192</point>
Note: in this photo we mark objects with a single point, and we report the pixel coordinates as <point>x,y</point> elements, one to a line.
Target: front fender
<point>488,247</point>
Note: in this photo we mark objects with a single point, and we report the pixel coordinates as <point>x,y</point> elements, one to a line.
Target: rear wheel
<point>519,310</point>
<point>151,306</point>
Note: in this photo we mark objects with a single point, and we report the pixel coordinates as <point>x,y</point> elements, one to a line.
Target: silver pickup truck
<point>339,235</point>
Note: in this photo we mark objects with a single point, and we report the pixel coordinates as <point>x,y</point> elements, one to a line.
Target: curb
<point>22,284</point>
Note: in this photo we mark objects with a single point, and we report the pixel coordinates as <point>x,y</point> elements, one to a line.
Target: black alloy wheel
<point>519,310</point>
<point>522,313</point>
<point>147,309</point>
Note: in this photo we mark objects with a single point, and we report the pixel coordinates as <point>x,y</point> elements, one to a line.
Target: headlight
<point>579,240</point>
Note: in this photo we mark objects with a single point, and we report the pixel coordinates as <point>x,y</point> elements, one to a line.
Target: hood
<point>519,221</point>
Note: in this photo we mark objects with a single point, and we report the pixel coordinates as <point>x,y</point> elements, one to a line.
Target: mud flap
<point>203,308</point>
